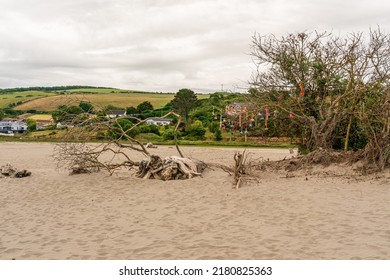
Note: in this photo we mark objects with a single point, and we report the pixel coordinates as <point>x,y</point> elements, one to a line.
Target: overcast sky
<point>158,45</point>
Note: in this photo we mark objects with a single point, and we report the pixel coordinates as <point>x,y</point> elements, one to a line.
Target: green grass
<point>93,90</point>
<point>7,98</point>
<point>45,137</point>
<point>100,100</point>
<point>44,117</point>
<point>98,97</point>
<point>59,135</point>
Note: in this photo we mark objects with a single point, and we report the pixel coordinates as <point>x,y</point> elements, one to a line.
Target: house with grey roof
<point>112,114</point>
<point>10,127</point>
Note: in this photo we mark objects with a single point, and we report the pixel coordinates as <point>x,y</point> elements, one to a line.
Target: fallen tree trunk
<point>170,168</point>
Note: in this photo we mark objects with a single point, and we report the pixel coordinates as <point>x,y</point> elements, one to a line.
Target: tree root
<point>170,168</point>
<point>10,171</point>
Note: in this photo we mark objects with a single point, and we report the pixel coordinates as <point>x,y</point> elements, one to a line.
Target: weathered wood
<point>170,168</point>
<point>9,171</point>
<point>150,145</point>
<point>239,168</point>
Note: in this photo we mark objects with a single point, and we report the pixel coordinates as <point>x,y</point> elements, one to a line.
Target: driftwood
<point>10,171</point>
<point>81,157</point>
<point>239,168</point>
<point>170,168</point>
<point>150,145</point>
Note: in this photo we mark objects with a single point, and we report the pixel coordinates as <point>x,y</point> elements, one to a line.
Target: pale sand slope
<point>51,215</point>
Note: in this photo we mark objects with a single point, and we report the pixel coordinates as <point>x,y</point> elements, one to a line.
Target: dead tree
<point>79,156</point>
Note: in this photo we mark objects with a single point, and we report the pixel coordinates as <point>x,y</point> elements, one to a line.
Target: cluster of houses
<point>159,121</point>
<point>11,127</point>
<point>155,121</point>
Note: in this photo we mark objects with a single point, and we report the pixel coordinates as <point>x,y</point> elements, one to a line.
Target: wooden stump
<point>10,171</point>
<point>239,168</point>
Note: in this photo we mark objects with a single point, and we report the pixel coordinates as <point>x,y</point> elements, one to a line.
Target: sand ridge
<point>52,215</point>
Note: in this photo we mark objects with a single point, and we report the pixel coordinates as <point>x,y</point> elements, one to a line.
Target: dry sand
<point>52,215</point>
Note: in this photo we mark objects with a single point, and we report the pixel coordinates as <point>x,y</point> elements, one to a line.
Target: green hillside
<point>49,98</point>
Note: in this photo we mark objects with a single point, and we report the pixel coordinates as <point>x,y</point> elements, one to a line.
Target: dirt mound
<point>322,161</point>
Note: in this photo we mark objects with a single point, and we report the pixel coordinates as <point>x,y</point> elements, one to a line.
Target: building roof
<point>3,122</point>
<point>160,119</point>
<point>116,112</point>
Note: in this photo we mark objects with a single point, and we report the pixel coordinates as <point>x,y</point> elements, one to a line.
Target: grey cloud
<point>156,45</point>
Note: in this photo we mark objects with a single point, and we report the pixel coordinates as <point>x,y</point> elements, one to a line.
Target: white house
<point>65,125</point>
<point>112,114</point>
<point>159,121</point>
<point>10,127</point>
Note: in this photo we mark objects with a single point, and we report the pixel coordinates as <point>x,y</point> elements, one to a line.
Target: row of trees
<point>55,88</point>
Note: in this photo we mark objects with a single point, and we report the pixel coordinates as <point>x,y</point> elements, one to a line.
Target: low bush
<point>196,131</point>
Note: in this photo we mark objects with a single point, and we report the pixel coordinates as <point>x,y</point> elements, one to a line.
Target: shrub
<point>202,114</point>
<point>144,106</point>
<point>11,112</point>
<point>154,129</point>
<point>31,124</point>
<point>218,135</point>
<point>150,129</point>
<point>357,138</point>
<point>125,124</point>
<point>213,127</point>
<point>168,134</point>
<point>65,113</point>
<point>144,129</point>
<point>196,131</point>
<point>131,110</point>
<point>149,113</point>
<point>86,107</point>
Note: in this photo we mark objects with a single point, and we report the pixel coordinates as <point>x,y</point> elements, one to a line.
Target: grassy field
<point>59,136</point>
<point>43,117</point>
<point>95,90</point>
<point>104,90</point>
<point>99,98</point>
<point>8,98</point>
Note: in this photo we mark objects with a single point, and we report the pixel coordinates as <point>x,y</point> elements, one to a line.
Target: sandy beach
<point>51,215</point>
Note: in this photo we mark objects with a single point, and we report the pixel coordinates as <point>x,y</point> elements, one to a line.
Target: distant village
<point>12,126</point>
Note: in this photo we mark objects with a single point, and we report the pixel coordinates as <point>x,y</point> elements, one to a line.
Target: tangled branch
<point>82,157</point>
